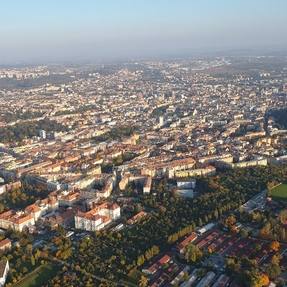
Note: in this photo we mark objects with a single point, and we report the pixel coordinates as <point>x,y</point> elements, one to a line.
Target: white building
<point>42,134</point>
<point>4,269</point>
<point>147,185</point>
<point>98,217</point>
<point>16,220</point>
<point>186,184</point>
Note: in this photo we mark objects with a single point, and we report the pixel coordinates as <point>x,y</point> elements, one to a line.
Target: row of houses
<point>18,220</point>
<point>168,168</point>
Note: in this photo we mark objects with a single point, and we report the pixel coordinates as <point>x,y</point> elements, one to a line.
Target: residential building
<point>4,269</point>
<point>98,217</point>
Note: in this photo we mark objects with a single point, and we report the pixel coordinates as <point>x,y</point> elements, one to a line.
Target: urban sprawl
<point>94,153</point>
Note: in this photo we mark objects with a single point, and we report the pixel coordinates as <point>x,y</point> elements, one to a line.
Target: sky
<point>95,30</point>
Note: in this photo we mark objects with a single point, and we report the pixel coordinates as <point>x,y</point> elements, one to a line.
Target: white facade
<point>97,218</point>
<point>4,272</point>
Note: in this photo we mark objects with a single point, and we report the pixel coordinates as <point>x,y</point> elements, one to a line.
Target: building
<point>206,280</point>
<point>62,217</point>
<point>225,158</point>
<point>69,199</point>
<point>182,245</point>
<point>161,121</point>
<point>191,279</point>
<point>205,228</point>
<point>207,171</point>
<point>98,217</point>
<point>4,269</point>
<point>124,181</point>
<point>5,244</point>
<point>16,220</point>
<point>221,281</point>
<point>42,134</point>
<point>165,259</point>
<point>186,184</point>
<point>243,164</point>
<point>168,168</point>
<point>42,207</point>
<point>186,188</point>
<point>147,185</point>
<point>137,217</point>
<point>108,188</point>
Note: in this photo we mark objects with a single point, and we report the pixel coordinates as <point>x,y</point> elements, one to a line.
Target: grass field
<point>37,277</point>
<point>279,192</point>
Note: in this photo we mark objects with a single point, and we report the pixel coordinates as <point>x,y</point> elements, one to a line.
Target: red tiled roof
<point>5,242</point>
<point>165,259</point>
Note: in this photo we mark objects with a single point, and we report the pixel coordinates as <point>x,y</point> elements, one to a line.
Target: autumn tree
<point>276,259</point>
<point>143,282</point>
<point>264,280</point>
<point>266,230</point>
<point>274,246</point>
<point>259,279</point>
<point>193,253</point>
<point>229,221</point>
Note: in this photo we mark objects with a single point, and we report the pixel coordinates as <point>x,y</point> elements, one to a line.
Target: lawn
<point>37,277</point>
<point>279,192</point>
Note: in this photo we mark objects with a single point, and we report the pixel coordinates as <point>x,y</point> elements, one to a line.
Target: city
<point>105,148</point>
<point>143,143</point>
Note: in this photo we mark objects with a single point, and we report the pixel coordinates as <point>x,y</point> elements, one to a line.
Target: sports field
<point>279,192</point>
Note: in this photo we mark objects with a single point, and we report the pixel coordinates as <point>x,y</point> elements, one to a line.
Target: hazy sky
<point>54,30</point>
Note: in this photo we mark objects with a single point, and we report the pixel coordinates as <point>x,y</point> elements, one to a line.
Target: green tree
<point>32,260</point>
<point>273,271</point>
<point>192,253</point>
<point>140,260</point>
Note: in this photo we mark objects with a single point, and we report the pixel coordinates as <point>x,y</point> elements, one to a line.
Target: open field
<point>37,277</point>
<point>279,192</point>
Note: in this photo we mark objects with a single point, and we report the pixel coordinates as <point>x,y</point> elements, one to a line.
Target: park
<point>279,192</point>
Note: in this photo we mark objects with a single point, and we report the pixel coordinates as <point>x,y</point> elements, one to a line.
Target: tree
<point>193,253</point>
<point>273,271</point>
<point>154,250</point>
<point>216,214</point>
<point>283,234</point>
<point>257,247</point>
<point>143,282</point>
<point>140,260</point>
<point>266,230</point>
<point>32,260</point>
<point>258,279</point>
<point>276,259</point>
<point>64,247</point>
<point>230,221</point>
<point>200,222</point>
<point>283,216</point>
<point>274,246</point>
<point>264,280</point>
<point>230,190</point>
<point>244,233</point>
